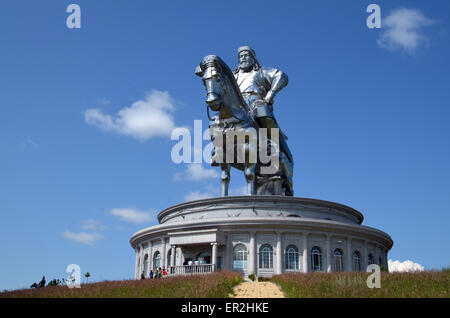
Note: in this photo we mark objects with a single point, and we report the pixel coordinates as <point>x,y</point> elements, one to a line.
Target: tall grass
<point>348,284</point>
<point>215,285</point>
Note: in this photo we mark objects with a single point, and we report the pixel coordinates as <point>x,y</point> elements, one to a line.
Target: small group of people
<point>40,285</point>
<point>158,273</point>
<point>196,262</point>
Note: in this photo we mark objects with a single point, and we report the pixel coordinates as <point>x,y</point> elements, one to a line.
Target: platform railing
<point>191,269</point>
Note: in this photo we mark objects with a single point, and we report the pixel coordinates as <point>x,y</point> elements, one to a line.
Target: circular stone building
<point>260,235</point>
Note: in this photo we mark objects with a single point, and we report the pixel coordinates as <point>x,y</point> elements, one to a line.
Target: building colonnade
<point>267,253</point>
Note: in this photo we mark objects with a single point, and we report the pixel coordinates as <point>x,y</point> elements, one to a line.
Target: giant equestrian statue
<point>242,105</point>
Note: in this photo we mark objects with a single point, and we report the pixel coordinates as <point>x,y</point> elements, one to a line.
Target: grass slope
<point>220,285</point>
<point>216,285</point>
<point>348,285</point>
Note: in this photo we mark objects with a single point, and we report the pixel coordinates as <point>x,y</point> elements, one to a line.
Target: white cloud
<point>402,30</point>
<point>406,266</point>
<point>83,237</point>
<point>196,172</point>
<point>92,225</point>
<point>144,119</point>
<point>133,215</point>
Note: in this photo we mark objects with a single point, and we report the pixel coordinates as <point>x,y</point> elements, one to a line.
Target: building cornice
<point>268,224</point>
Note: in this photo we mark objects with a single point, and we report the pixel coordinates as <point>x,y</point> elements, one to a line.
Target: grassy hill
<point>350,285</point>
<point>216,285</point>
<point>220,285</point>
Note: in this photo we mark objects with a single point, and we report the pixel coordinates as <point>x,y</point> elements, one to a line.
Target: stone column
<point>279,262</point>
<point>229,253</point>
<point>173,252</point>
<point>348,266</point>
<point>181,256</point>
<point>214,255</point>
<point>168,247</point>
<point>328,254</point>
<point>252,254</point>
<point>163,252</point>
<point>150,255</point>
<point>365,260</point>
<point>386,260</point>
<point>305,252</point>
<point>146,251</point>
<point>377,255</point>
<point>141,260</point>
<point>136,264</point>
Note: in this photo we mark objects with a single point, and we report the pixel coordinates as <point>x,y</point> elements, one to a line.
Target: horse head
<point>222,92</point>
<point>210,72</point>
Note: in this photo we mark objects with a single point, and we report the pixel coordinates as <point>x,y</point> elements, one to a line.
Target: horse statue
<point>263,156</point>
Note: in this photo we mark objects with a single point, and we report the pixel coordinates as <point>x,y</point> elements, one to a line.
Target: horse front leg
<point>250,151</point>
<point>224,179</point>
<point>250,177</point>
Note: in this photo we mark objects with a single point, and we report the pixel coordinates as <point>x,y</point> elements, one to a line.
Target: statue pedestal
<point>264,235</point>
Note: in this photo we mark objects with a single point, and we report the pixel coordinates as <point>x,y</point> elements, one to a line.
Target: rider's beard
<point>246,66</point>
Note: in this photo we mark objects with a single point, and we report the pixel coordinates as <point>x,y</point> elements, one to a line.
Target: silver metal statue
<point>243,104</point>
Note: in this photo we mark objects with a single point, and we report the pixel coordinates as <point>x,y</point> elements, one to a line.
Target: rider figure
<point>258,86</point>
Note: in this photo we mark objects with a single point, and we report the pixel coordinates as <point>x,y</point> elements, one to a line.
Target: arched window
<point>240,257</point>
<point>338,260</point>
<point>146,265</point>
<point>292,257</point>
<point>357,261</point>
<point>316,259</point>
<point>266,256</point>
<point>156,260</point>
<point>370,259</point>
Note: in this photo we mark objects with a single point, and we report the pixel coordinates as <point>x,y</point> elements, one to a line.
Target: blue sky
<point>366,112</point>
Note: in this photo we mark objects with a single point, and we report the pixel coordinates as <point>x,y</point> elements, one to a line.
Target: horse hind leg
<point>224,179</point>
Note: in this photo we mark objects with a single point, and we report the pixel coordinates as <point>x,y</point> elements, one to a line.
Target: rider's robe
<point>254,87</point>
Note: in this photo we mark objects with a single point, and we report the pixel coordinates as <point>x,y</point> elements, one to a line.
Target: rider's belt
<point>250,94</point>
<point>226,121</point>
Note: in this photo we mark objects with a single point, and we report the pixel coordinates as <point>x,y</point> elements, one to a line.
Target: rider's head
<point>247,59</point>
